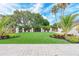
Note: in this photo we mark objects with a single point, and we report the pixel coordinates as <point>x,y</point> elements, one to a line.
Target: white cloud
<point>10,7</point>
<point>36,8</point>
<point>7,8</point>
<point>44,17</point>
<point>50,18</point>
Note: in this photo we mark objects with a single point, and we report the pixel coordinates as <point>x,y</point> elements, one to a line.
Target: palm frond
<point>67,22</point>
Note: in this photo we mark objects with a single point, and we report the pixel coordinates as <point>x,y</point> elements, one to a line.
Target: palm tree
<point>62,6</point>
<point>66,23</point>
<point>58,6</point>
<point>54,11</point>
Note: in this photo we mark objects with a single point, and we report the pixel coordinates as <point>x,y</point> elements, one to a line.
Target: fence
<point>32,30</point>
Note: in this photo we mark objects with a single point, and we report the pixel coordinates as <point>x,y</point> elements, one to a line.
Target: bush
<point>73,39</point>
<point>4,36</point>
<point>56,35</point>
<point>12,35</point>
<point>69,37</point>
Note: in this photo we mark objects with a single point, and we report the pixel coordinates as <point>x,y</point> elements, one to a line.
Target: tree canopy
<point>26,18</point>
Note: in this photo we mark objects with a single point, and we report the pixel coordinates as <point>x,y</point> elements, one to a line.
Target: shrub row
<point>69,37</point>
<point>7,36</point>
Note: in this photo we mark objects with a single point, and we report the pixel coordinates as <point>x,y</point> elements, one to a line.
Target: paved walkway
<point>39,49</point>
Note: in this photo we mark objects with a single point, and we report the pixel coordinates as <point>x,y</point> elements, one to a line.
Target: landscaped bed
<point>33,38</point>
<point>69,37</point>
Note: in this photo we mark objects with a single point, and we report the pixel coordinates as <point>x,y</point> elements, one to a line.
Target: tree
<point>23,18</point>
<point>45,22</point>
<point>39,21</point>
<point>58,6</point>
<point>5,25</point>
<point>27,20</point>
<point>46,28</point>
<point>62,6</point>
<point>66,23</point>
<point>54,11</point>
<point>54,26</point>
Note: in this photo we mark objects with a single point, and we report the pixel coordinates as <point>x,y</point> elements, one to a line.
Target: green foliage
<point>27,27</point>
<point>69,37</point>
<point>56,8</point>
<point>55,25</point>
<point>22,17</point>
<point>45,22</point>
<point>26,18</point>
<point>39,20</point>
<point>13,35</point>
<point>4,24</point>
<point>74,39</point>
<point>37,27</point>
<point>46,27</point>
<point>58,35</point>
<point>66,22</point>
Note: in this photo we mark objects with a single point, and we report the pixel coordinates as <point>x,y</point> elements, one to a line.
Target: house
<point>75,29</point>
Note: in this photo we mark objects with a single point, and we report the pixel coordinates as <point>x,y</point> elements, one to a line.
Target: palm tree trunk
<point>62,13</point>
<point>56,21</point>
<point>65,34</point>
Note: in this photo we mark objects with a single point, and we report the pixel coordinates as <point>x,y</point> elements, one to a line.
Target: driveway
<point>39,49</point>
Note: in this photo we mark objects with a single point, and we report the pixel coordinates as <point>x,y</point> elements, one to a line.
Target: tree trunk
<point>56,21</point>
<point>65,35</point>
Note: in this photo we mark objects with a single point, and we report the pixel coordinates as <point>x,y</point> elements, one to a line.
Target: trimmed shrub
<point>12,35</point>
<point>4,36</point>
<point>73,39</point>
<point>60,36</point>
<point>69,37</point>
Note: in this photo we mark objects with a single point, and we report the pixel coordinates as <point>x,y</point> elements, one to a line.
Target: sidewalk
<point>39,49</point>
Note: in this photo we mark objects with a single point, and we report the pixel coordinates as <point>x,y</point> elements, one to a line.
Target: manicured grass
<point>33,38</point>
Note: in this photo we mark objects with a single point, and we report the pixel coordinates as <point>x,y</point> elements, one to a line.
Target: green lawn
<point>33,38</point>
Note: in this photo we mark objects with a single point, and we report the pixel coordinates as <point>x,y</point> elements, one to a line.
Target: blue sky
<point>43,8</point>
